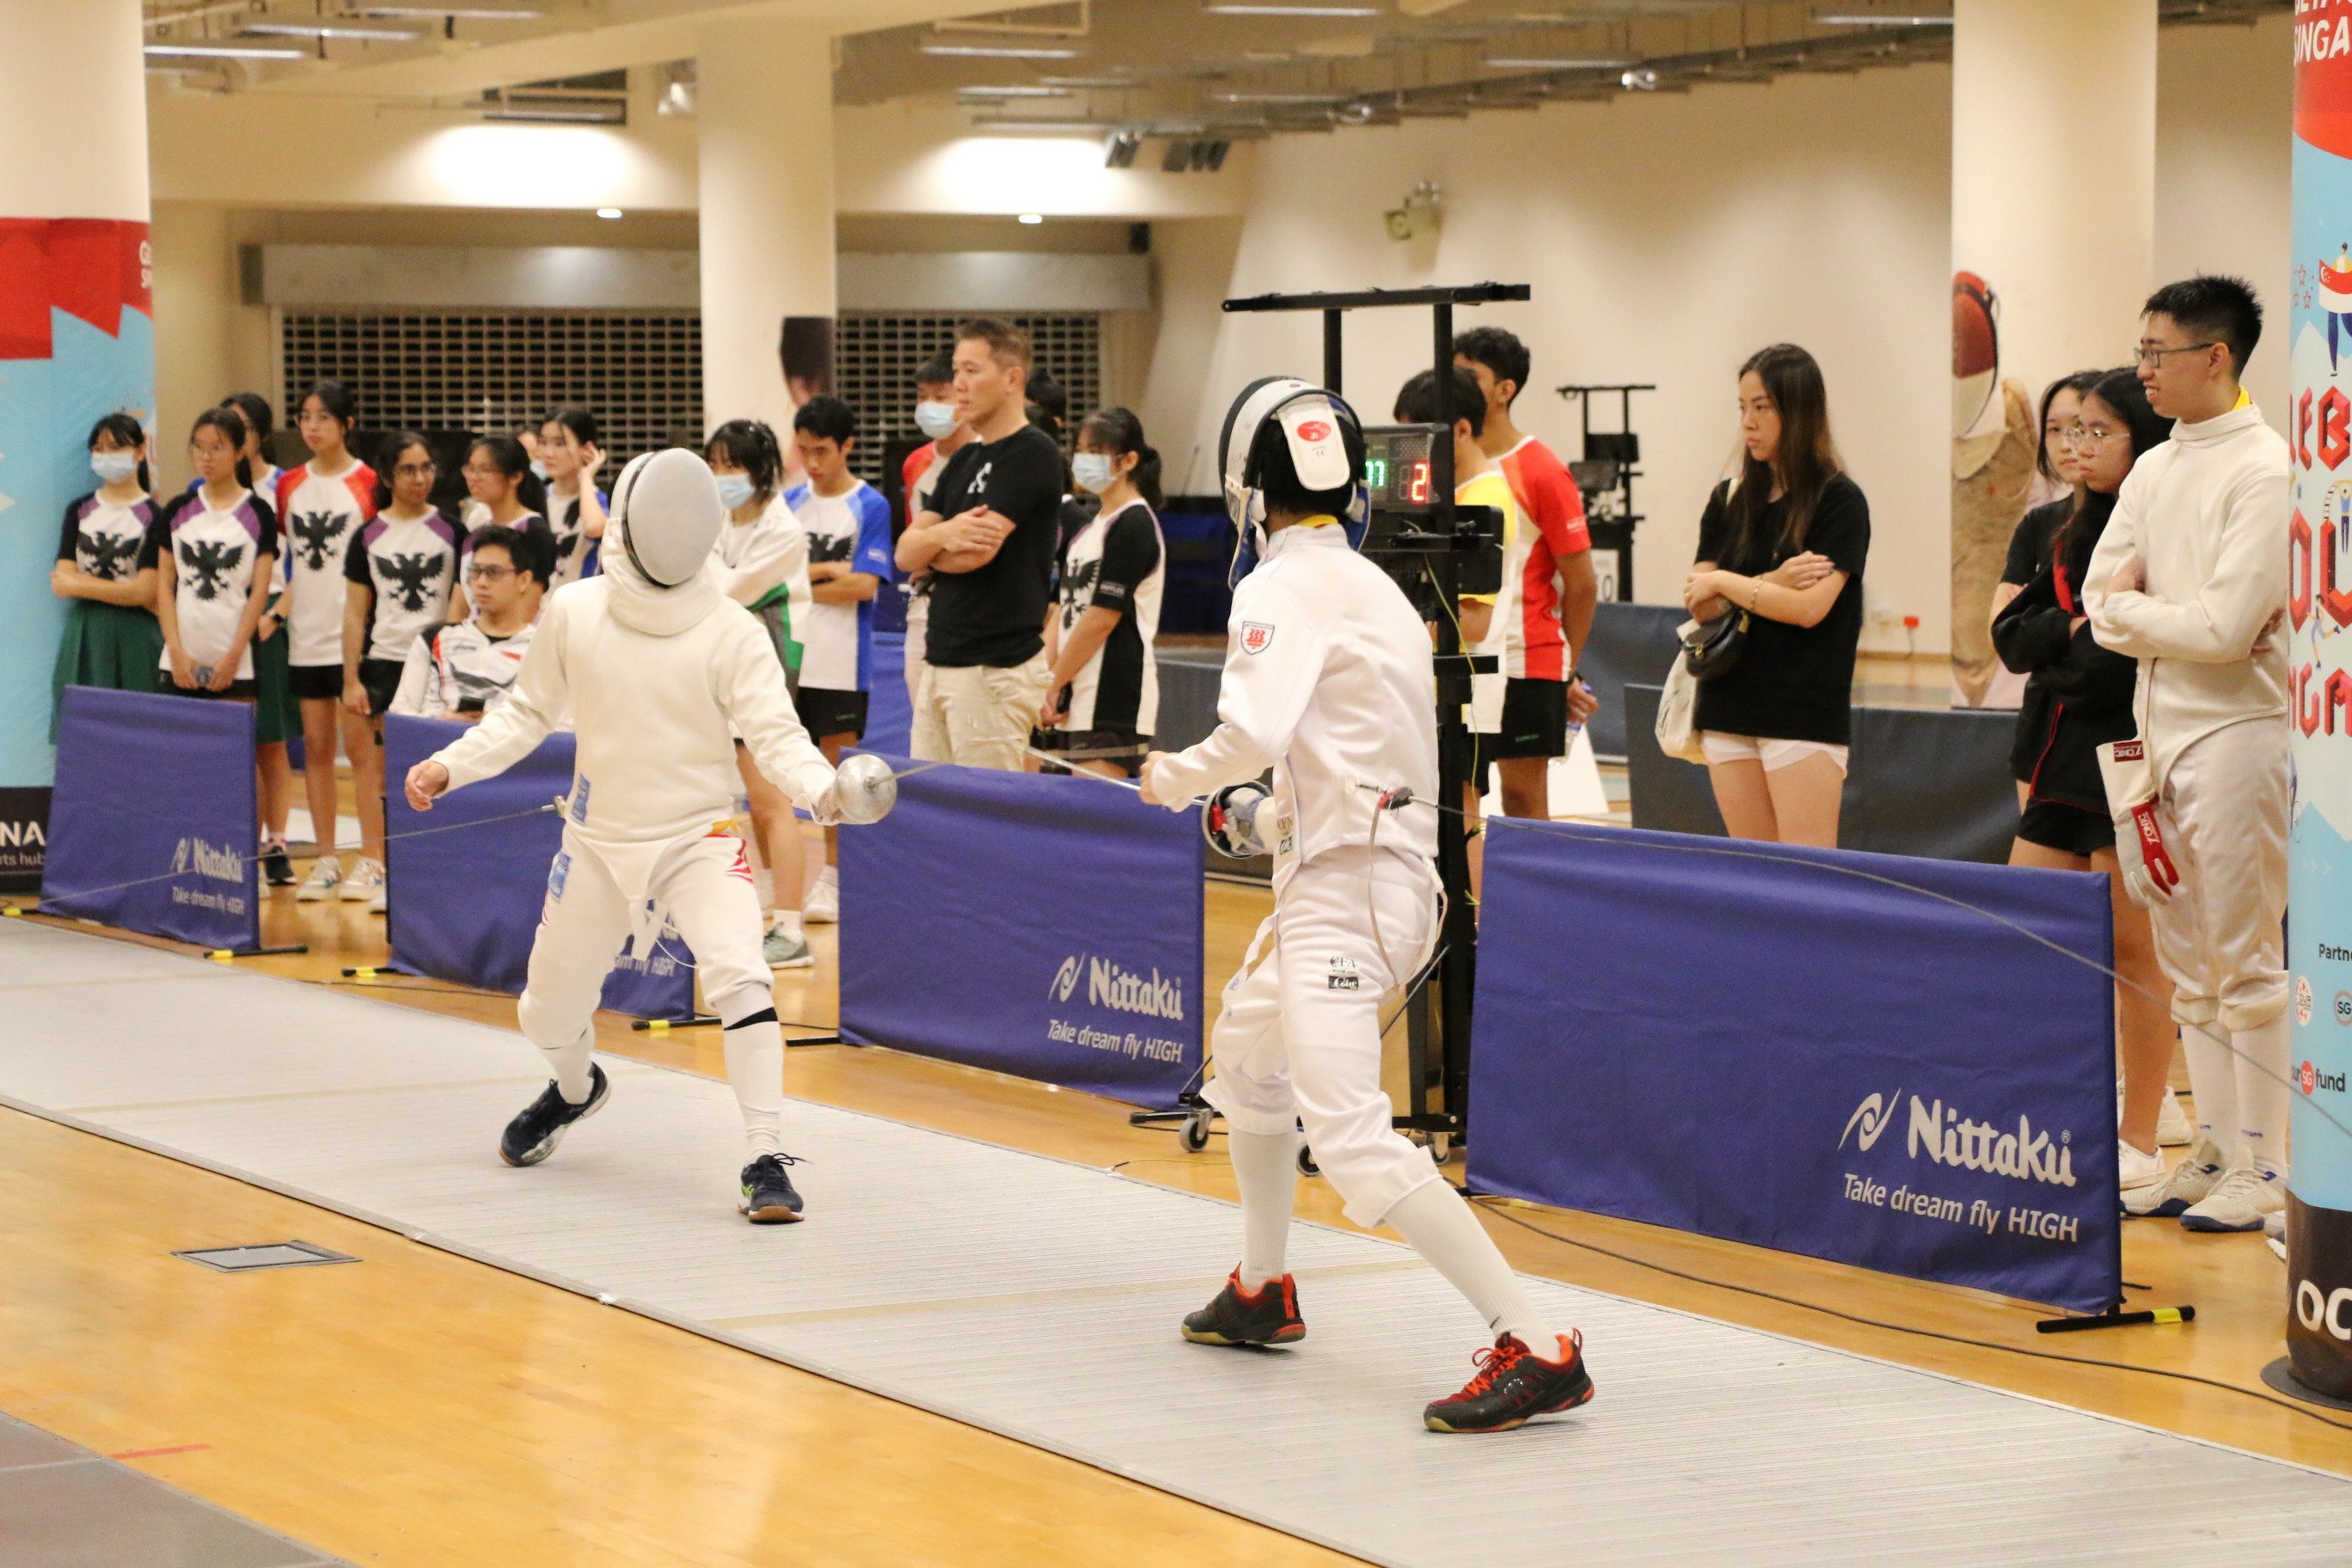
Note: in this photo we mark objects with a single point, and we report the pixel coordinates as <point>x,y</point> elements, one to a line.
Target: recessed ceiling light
<point>225,52</point>
<point>462,13</point>
<point>1277,96</point>
<point>1529,63</point>
<point>311,30</point>
<point>1033,218</point>
<point>1013,92</point>
<point>608,212</point>
<point>1000,51</point>
<point>1270,9</point>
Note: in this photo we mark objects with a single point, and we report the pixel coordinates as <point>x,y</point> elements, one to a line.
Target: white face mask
<point>734,489</point>
<point>1092,471</point>
<point>937,420</point>
<point>113,467</point>
<point>540,469</point>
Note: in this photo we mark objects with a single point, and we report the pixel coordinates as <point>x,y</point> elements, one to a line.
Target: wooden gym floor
<point>426,1410</point>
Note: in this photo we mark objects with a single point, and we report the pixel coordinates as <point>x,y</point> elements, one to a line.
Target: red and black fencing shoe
<point>1513,1386</point>
<point>1236,1318</point>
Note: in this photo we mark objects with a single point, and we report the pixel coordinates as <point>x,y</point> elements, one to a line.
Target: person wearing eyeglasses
<point>398,578</point>
<point>2190,579</point>
<point>462,671</point>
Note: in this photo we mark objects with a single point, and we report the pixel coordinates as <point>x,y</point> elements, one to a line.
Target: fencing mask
<point>1309,439</point>
<point>667,509</point>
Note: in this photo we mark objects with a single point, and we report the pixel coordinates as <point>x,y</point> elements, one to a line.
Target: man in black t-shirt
<point>989,538</point>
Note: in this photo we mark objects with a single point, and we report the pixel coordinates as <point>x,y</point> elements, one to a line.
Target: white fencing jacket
<point>2207,512</point>
<point>1328,680</point>
<point>656,681</point>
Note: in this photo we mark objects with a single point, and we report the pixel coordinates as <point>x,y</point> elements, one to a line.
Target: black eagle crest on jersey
<point>314,531</point>
<point>205,563</point>
<point>830,547</point>
<point>103,555</point>
<point>413,577</point>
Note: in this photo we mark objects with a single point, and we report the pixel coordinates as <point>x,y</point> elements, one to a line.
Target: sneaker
<point>2239,1201</point>
<point>2136,1170</point>
<point>767,1194</point>
<point>786,952</point>
<point>1513,1386</point>
<point>326,874</point>
<point>276,865</point>
<point>364,883</point>
<point>533,1135</point>
<point>823,905</point>
<point>1237,1317</point>
<point>2190,1180</point>
<point>378,904</point>
<point>2173,1128</point>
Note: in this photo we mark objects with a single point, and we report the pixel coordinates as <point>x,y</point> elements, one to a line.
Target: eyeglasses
<point>2082,435</point>
<point>484,573</point>
<point>2144,356</point>
<point>480,471</point>
<point>414,471</point>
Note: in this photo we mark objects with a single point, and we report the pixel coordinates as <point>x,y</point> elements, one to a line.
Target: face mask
<point>540,469</point>
<point>734,489</point>
<point>937,420</point>
<point>113,467</point>
<point>1092,471</point>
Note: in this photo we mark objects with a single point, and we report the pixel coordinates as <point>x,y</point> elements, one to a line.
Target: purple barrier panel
<point>465,890</point>
<point>1045,927</point>
<point>1783,1046</point>
<point>152,825</point>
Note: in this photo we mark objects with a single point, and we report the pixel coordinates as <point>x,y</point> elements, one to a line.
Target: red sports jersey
<point>1548,500</point>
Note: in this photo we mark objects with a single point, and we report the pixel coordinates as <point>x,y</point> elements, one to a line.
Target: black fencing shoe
<point>276,869</point>
<point>1269,1318</point>
<point>533,1135</point>
<point>1513,1386</point>
<point>768,1195</point>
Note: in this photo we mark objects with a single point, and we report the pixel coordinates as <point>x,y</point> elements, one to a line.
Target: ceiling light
<point>999,51</point>
<point>1315,98</point>
<point>225,52</point>
<point>1529,63</point>
<point>615,115</point>
<point>462,13</point>
<point>1270,9</point>
<point>1087,80</point>
<point>1013,92</point>
<point>608,212</point>
<point>1641,79</point>
<point>312,30</point>
<point>1033,218</point>
<point>1879,19</point>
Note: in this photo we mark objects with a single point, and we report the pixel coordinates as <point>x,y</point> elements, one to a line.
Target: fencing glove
<point>2150,876</point>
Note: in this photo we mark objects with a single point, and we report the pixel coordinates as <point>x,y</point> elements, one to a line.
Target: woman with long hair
<point>221,541</point>
<point>569,456</point>
<point>111,636</point>
<point>1782,545</point>
<point>2077,696</point>
<point>500,480</point>
<point>1103,696</point>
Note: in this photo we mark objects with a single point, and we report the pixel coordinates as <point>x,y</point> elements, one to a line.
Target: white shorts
<point>1774,755</point>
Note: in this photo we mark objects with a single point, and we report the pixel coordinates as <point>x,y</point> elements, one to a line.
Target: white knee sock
<point>2213,1079</point>
<point>569,1066</point>
<point>2261,1062</point>
<point>1265,1169</point>
<point>755,1066</point>
<point>1441,1228</point>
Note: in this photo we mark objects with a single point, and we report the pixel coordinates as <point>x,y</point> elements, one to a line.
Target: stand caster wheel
<point>1307,1165</point>
<point>1193,1132</point>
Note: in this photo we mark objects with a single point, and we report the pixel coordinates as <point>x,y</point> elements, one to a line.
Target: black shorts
<point>2069,829</point>
<point>380,678</point>
<point>1123,748</point>
<point>239,690</point>
<point>1535,721</point>
<point>826,710</point>
<point>316,683</point>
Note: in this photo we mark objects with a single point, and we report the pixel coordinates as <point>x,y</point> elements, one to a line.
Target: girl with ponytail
<point>111,636</point>
<point>1102,698</point>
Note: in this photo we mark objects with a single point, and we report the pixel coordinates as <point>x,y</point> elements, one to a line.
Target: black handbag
<point>1716,646</point>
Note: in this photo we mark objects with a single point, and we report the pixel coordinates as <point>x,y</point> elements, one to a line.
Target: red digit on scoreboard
<point>1416,489</point>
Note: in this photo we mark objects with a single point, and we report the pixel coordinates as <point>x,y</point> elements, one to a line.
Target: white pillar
<point>764,108</point>
<point>77,338</point>
<point>2054,205</point>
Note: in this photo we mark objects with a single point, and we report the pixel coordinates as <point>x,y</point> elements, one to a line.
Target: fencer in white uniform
<point>2190,579</point>
<point>1329,682</point>
<point>658,670</point>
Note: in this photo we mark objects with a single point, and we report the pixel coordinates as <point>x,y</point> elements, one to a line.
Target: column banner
<point>1044,927</point>
<point>2319,915</point>
<point>76,343</point>
<point>465,891</point>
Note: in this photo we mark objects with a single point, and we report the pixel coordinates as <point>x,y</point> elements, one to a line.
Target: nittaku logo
<point>1109,985</point>
<point>1947,1138</point>
<point>205,860</point>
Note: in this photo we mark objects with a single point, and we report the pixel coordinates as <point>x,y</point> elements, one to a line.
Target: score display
<point>1397,467</point>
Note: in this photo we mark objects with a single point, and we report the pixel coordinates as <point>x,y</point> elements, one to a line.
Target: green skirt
<point>117,646</point>
<point>277,715</point>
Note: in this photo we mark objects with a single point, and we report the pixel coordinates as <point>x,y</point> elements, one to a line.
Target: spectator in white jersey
<point>1103,696</point>
<point>461,671</point>
<point>938,417</point>
<point>399,578</point>
<point>277,716</point>
<point>567,456</point>
<point>762,557</point>
<point>499,478</point>
<point>848,527</point>
<point>222,544</point>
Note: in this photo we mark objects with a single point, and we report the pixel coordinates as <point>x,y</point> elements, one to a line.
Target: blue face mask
<point>1092,471</point>
<point>113,467</point>
<point>936,420</point>
<point>734,489</point>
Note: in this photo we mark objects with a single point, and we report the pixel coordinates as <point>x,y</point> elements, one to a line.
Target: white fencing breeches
<point>2223,809</point>
<point>1299,1036</point>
